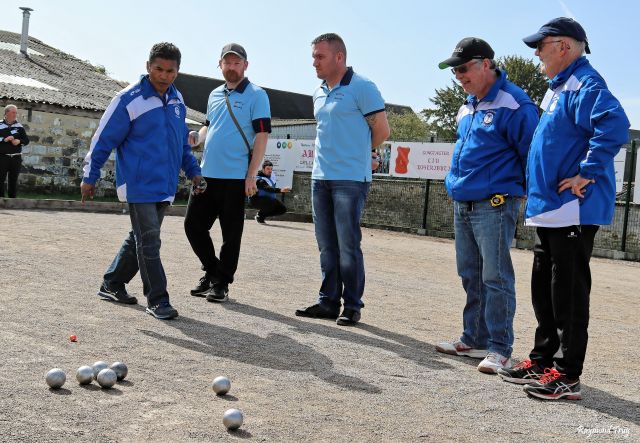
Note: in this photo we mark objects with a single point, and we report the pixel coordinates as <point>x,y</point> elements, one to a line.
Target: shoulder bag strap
<point>235,120</point>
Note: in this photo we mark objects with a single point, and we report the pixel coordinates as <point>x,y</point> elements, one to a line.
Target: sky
<point>396,43</point>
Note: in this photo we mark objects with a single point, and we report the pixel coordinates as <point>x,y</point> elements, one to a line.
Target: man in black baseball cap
<point>468,49</point>
<point>561,26</point>
<point>486,179</point>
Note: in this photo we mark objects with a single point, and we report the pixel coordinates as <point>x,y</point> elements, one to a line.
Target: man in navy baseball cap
<point>561,26</point>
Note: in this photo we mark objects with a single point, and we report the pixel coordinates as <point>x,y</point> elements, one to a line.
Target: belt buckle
<point>497,200</point>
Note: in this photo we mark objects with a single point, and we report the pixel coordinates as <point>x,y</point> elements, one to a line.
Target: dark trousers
<point>268,207</point>
<point>10,165</point>
<point>224,200</point>
<point>560,287</point>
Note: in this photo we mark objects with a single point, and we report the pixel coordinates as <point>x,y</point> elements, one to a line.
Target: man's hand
<point>15,142</point>
<point>9,138</point>
<point>87,191</point>
<point>194,138</point>
<point>199,185</point>
<point>250,187</point>
<point>577,185</point>
<point>285,190</point>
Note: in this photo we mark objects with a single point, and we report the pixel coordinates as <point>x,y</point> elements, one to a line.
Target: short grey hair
<point>6,108</point>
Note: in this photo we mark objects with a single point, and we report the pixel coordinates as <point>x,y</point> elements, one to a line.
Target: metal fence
<point>423,206</point>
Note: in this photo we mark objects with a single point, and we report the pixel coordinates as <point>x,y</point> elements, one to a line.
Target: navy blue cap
<point>561,26</point>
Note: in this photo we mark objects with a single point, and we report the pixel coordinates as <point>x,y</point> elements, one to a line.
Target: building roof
<point>284,105</point>
<point>51,76</point>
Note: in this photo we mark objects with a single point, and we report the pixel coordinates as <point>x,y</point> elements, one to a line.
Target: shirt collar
<point>344,81</point>
<point>241,86</point>
<point>562,76</point>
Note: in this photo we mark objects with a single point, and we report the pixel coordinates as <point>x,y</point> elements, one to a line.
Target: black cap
<point>561,26</point>
<point>467,49</point>
<point>234,48</point>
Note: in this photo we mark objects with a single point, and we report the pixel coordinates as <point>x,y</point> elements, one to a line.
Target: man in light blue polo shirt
<point>229,170</point>
<point>351,119</point>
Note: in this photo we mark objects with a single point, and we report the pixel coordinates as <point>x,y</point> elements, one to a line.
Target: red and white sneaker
<point>457,347</point>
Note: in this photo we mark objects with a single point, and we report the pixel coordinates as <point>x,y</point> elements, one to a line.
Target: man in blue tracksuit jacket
<point>486,183</point>
<point>145,124</point>
<point>571,190</point>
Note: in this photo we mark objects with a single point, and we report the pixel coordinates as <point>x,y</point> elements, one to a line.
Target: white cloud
<point>567,11</point>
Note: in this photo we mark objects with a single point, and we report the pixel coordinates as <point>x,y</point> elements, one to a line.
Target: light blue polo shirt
<point>343,141</point>
<point>225,153</point>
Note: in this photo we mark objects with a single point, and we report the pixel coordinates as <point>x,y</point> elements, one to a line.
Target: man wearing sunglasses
<point>486,182</point>
<point>571,191</point>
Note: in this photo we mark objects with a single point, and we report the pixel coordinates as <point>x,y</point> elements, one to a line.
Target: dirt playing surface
<point>295,379</point>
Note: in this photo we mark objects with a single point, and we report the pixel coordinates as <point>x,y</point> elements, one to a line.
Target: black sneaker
<point>524,372</point>
<point>219,293</point>
<point>349,317</point>
<point>260,220</point>
<point>554,385</point>
<point>204,286</point>
<point>162,311</point>
<point>316,311</point>
<point>119,296</point>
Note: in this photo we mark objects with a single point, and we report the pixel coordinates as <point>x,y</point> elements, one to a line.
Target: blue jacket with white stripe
<point>493,139</point>
<point>150,136</point>
<point>581,130</point>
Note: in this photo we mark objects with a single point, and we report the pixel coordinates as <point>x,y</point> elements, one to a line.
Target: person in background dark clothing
<point>12,138</point>
<point>266,200</point>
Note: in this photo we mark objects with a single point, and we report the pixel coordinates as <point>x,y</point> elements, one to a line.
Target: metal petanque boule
<point>99,366</point>
<point>107,378</point>
<point>55,378</point>
<point>84,375</point>
<point>232,419</point>
<point>221,385</point>
<point>120,369</point>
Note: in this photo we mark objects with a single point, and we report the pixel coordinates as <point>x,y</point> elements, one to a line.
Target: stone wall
<point>52,162</point>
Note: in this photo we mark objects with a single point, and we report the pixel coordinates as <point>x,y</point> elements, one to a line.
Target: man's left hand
<point>250,187</point>
<point>577,185</point>
<point>195,181</point>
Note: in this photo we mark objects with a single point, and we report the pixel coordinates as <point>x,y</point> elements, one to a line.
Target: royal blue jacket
<point>493,139</point>
<point>581,130</point>
<point>149,135</point>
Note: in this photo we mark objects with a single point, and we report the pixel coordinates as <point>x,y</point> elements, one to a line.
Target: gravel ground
<point>295,379</point>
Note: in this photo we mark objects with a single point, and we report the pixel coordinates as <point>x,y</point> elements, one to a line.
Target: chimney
<point>24,39</point>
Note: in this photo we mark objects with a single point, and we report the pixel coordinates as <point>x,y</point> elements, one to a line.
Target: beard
<point>231,76</point>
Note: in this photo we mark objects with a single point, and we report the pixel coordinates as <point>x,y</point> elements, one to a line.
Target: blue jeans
<point>337,209</point>
<point>483,241</point>
<point>141,251</point>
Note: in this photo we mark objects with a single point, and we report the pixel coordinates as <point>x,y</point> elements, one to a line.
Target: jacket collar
<point>149,91</point>
<point>501,77</point>
<point>567,72</point>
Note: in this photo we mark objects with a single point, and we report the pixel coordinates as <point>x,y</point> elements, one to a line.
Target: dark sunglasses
<point>463,69</point>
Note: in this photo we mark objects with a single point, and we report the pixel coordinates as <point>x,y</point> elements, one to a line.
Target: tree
<point>447,101</point>
<point>407,126</point>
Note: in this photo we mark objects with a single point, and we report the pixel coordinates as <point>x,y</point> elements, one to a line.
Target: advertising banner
<point>420,160</point>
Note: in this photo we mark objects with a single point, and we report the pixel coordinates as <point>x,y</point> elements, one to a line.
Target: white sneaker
<point>457,347</point>
<point>492,362</point>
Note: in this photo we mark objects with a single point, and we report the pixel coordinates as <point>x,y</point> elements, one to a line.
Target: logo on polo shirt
<point>488,118</point>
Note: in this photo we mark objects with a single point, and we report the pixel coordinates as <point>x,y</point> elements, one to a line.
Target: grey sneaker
<point>163,311</point>
<point>493,362</point>
<point>118,296</point>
